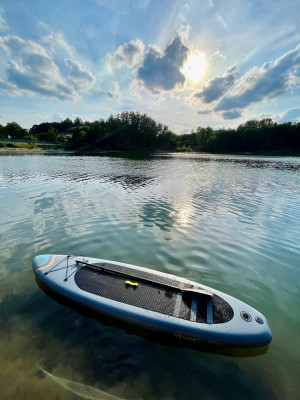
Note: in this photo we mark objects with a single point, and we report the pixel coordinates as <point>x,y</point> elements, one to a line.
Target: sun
<point>194,67</point>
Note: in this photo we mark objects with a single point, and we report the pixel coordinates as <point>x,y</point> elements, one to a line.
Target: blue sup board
<point>148,299</point>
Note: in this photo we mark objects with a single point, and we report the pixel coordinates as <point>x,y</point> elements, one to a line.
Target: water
<point>229,222</point>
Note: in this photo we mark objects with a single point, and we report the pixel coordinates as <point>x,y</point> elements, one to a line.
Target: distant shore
<point>23,150</point>
<point>49,150</point>
<point>57,149</point>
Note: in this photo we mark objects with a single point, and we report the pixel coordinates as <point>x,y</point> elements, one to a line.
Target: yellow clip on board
<point>131,283</point>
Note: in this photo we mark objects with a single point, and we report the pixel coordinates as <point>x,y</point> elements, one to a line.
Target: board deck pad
<point>154,296</point>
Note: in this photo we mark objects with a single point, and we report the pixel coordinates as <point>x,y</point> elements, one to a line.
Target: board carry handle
<point>134,284</point>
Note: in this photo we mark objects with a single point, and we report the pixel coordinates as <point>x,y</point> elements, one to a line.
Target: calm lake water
<point>229,222</point>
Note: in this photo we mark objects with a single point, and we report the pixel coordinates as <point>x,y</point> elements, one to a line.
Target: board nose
<point>39,261</point>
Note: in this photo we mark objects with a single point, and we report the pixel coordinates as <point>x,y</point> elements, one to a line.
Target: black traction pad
<point>153,296</point>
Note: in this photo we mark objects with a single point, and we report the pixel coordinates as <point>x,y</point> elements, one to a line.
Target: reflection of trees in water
<point>132,181</point>
<point>256,163</point>
<point>245,161</point>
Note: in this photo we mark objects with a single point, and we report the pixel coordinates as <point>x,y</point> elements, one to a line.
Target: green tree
<point>79,137</point>
<point>96,132</point>
<point>2,131</point>
<point>40,128</point>
<point>65,124</point>
<point>203,135</point>
<point>78,122</point>
<point>52,134</point>
<point>167,140</point>
<point>14,130</point>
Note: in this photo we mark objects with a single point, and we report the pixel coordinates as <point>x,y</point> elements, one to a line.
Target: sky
<point>186,64</point>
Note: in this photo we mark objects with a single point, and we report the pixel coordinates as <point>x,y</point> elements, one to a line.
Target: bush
<point>20,145</point>
<point>186,149</point>
<point>13,145</point>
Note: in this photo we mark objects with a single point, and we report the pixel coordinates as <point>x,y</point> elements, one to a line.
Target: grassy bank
<point>7,147</point>
<point>18,146</point>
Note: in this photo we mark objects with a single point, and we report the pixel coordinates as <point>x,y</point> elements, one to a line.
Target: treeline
<point>135,131</point>
<point>125,131</point>
<point>254,136</point>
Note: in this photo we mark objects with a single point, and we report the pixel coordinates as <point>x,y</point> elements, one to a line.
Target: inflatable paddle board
<point>177,307</point>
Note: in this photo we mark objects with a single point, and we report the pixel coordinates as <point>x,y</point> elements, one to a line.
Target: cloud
<point>217,53</point>
<point>183,13</point>
<point>267,82</point>
<point>129,54</point>
<point>114,90</point>
<point>31,71</point>
<point>222,22</point>
<point>162,71</point>
<point>141,4</point>
<point>3,25</point>
<point>217,87</point>
<point>183,32</point>
<point>57,44</point>
<point>231,114</point>
<point>290,115</point>
<point>81,79</point>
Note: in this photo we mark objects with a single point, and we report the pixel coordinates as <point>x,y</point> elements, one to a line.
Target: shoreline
<point>42,150</point>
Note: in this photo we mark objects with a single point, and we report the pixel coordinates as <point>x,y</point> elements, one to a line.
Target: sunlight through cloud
<point>195,65</point>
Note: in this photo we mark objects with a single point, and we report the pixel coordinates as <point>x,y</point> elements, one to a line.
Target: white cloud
<point>57,44</point>
<point>141,4</point>
<point>221,20</point>
<point>183,13</point>
<point>183,32</point>
<point>15,46</point>
<point>81,79</point>
<point>267,82</point>
<point>217,53</point>
<point>31,71</point>
<point>128,54</point>
<point>114,90</point>
<point>3,26</point>
<point>292,115</point>
<point>230,93</point>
